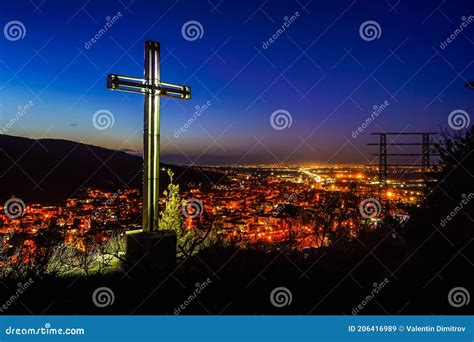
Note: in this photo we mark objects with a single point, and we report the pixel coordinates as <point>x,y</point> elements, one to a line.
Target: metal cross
<point>152,87</point>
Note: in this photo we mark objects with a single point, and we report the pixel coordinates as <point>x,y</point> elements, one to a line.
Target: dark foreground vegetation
<point>418,264</point>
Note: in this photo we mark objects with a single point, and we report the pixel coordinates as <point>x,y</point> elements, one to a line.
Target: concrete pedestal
<point>151,251</point>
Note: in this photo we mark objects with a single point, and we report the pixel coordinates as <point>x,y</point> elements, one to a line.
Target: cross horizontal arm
<point>175,90</point>
<point>126,83</point>
<point>141,86</point>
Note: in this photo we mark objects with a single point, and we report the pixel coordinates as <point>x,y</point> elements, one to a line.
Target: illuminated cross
<point>152,87</point>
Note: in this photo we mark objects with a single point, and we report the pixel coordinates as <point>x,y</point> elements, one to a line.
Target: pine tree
<point>172,219</point>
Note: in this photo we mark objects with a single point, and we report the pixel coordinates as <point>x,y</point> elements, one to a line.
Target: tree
<point>457,163</point>
<point>171,218</point>
<point>189,241</point>
<point>446,214</point>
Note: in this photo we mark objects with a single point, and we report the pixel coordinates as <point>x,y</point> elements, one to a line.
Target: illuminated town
<point>252,205</point>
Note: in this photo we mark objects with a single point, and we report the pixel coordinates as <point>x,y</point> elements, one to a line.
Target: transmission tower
<point>426,154</point>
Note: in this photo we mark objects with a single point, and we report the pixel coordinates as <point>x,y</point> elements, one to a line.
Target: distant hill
<point>51,170</point>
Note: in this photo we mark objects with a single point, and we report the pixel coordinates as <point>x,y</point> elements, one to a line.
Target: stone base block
<point>151,250</point>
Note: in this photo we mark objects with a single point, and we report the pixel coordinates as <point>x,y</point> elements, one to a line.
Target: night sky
<point>319,70</point>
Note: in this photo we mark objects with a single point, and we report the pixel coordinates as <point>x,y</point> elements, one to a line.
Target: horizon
<point>314,164</point>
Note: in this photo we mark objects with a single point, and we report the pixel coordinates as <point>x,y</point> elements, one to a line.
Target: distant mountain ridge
<point>51,170</point>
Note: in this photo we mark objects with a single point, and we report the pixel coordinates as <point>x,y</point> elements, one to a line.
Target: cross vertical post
<point>151,138</point>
